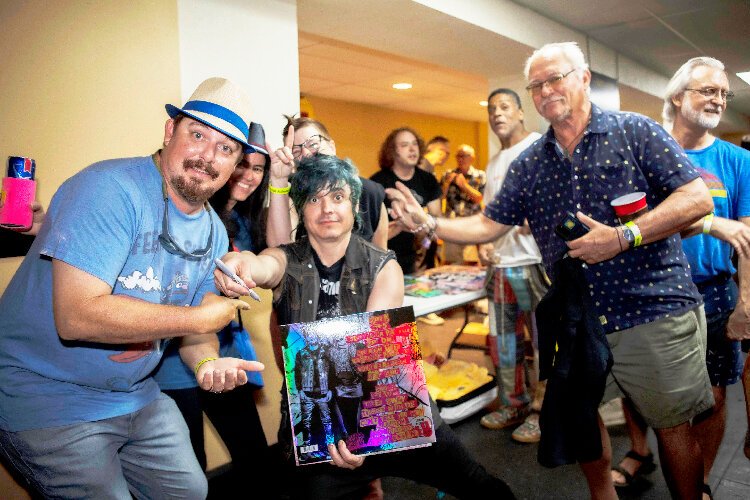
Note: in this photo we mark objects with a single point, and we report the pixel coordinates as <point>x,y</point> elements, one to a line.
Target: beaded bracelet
<point>203,362</point>
<point>275,190</point>
<point>426,225</point>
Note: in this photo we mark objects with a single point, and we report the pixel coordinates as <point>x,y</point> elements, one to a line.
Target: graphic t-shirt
<point>105,221</point>
<point>725,168</point>
<point>330,280</point>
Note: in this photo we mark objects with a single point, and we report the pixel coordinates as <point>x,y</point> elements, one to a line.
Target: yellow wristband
<point>275,190</point>
<point>637,238</point>
<point>203,362</point>
<point>708,220</point>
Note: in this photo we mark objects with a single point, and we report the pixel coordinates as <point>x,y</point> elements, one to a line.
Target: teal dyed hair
<point>322,173</point>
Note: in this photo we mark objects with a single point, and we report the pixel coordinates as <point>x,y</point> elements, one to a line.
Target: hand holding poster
<point>357,378</point>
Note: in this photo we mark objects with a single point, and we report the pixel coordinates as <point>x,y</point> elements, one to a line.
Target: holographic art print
<point>356,378</point>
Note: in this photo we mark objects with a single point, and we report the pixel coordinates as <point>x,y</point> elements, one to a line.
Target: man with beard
<point>630,305</point>
<point>516,281</point>
<point>695,99</point>
<point>127,244</point>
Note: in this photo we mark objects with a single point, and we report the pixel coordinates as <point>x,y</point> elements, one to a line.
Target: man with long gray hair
<point>694,101</point>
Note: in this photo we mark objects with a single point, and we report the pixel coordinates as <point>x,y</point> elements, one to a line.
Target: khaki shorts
<point>661,367</point>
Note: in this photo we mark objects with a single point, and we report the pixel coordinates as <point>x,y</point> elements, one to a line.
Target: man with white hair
<point>695,99</point>
<point>633,282</point>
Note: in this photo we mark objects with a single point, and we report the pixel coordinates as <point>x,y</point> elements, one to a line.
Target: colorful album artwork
<point>357,378</point>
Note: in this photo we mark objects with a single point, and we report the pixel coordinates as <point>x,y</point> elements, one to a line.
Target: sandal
<point>504,417</point>
<point>647,465</point>
<point>529,431</point>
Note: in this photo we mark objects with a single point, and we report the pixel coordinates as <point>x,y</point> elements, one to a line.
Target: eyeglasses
<point>554,80</point>
<point>171,246</point>
<point>312,144</point>
<point>712,92</point>
<point>166,239</point>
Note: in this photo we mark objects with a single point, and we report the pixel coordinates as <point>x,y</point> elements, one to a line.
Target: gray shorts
<point>661,367</point>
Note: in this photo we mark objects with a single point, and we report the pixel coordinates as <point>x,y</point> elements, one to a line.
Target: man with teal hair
<point>330,272</point>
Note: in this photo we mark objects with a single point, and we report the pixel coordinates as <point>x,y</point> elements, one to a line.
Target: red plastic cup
<point>629,206</point>
<point>17,195</point>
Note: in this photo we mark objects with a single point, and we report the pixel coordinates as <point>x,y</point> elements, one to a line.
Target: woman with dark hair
<point>241,205</point>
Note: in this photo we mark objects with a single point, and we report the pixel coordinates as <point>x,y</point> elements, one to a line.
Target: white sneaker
<point>431,319</point>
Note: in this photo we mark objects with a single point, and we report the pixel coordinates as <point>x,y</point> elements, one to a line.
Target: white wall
<point>254,44</point>
<point>251,42</point>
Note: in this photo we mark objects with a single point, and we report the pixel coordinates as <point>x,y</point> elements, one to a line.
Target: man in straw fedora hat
<point>127,245</point>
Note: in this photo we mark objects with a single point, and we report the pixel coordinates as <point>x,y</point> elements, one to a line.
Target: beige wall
<point>82,82</point>
<point>359,130</point>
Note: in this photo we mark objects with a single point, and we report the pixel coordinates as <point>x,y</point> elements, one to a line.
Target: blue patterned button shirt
<point>619,153</point>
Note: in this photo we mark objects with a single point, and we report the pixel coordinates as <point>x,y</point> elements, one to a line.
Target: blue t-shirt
<point>619,153</point>
<point>234,341</point>
<point>105,221</point>
<point>725,168</point>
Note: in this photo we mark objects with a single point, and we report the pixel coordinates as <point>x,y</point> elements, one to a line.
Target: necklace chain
<point>567,155</point>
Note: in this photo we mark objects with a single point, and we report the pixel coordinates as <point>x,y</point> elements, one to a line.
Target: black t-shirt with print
<point>330,279</point>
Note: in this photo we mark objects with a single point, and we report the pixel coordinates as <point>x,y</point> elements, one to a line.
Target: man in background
<point>462,190</point>
<point>695,100</point>
<point>398,159</point>
<point>516,282</point>
<point>438,150</point>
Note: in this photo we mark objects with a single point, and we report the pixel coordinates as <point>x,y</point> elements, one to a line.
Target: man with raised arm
<point>634,278</point>
<point>331,272</point>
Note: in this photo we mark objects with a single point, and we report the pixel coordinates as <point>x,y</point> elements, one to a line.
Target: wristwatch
<point>629,236</point>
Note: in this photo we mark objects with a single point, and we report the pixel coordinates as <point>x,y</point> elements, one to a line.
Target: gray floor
<point>516,463</point>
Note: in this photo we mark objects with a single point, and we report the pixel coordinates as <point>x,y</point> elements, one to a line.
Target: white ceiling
<point>355,50</point>
<point>338,70</point>
<point>663,34</point>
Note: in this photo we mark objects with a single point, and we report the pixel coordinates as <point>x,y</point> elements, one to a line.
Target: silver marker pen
<point>224,269</point>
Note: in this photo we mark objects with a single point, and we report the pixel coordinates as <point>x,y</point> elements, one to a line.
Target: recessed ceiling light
<point>745,75</point>
<point>402,86</point>
<point>483,103</point>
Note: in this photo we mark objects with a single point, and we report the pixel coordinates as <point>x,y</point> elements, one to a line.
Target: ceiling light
<point>483,103</point>
<point>402,86</point>
<point>745,75</point>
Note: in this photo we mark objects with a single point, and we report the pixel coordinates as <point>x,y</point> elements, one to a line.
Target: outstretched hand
<point>241,264</point>
<point>225,374</point>
<point>404,207</point>
<point>601,243</point>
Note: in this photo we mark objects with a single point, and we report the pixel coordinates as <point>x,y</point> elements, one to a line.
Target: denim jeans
<point>146,453</point>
